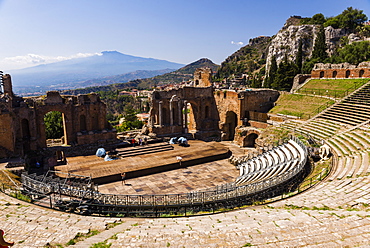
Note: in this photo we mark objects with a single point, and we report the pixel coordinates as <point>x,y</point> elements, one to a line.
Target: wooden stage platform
<point>141,165</point>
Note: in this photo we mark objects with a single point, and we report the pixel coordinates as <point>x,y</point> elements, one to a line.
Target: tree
<point>272,73</point>
<point>317,19</point>
<point>354,53</point>
<point>319,50</point>
<point>53,121</point>
<point>299,57</point>
<point>285,75</point>
<point>350,18</point>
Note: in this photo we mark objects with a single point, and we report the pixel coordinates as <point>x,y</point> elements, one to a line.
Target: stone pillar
<point>185,126</point>
<point>179,107</point>
<point>160,122</point>
<point>171,114</point>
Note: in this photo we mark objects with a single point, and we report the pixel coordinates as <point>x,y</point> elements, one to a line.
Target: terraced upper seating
<point>353,110</point>
<point>270,164</point>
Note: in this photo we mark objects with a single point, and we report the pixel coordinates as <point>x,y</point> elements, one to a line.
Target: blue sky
<point>183,31</point>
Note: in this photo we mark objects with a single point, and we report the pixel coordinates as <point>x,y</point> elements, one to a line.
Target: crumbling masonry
<point>22,127</point>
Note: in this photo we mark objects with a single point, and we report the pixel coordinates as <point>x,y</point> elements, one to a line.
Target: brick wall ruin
<point>22,120</point>
<point>344,70</point>
<point>204,113</point>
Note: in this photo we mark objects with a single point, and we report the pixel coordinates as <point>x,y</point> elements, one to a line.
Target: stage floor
<point>181,180</point>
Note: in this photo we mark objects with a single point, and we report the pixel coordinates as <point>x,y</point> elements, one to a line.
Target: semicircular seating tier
<point>279,160</point>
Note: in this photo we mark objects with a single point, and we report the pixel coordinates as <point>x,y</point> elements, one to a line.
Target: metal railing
<point>54,195</point>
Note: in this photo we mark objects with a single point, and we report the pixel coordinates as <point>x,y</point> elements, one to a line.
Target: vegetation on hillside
<point>251,58</point>
<point>247,60</point>
<point>183,74</point>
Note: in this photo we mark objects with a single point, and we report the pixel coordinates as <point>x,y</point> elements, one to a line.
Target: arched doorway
<point>348,72</point>
<point>321,74</point>
<point>54,122</point>
<point>335,74</point>
<point>250,140</point>
<point>361,74</point>
<point>230,123</point>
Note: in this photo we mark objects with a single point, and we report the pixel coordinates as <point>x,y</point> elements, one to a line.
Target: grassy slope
<point>304,106</point>
<point>299,105</point>
<point>337,88</point>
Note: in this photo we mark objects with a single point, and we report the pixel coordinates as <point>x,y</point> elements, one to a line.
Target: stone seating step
<point>315,132</point>
<point>338,170</point>
<point>349,144</point>
<point>360,114</point>
<point>364,166</point>
<point>360,144</point>
<point>355,166</point>
<point>323,126</point>
<point>339,119</point>
<point>140,150</point>
<point>340,150</point>
<point>347,113</point>
<point>346,169</point>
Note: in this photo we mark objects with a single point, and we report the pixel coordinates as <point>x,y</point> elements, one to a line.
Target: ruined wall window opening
<point>83,126</point>
<point>321,74</point>
<point>55,128</point>
<point>25,129</point>
<point>250,140</point>
<point>335,73</point>
<point>197,82</point>
<point>191,118</point>
<point>231,123</point>
<point>165,119</point>
<point>361,73</point>
<point>348,72</point>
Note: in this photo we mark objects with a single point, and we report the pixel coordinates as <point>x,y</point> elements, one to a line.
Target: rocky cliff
<point>286,41</point>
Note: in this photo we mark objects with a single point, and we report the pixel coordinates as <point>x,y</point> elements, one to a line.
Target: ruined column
<point>171,114</point>
<point>160,113</point>
<point>185,126</point>
<point>179,107</point>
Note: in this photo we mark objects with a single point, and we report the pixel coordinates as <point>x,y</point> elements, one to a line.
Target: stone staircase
<point>145,149</point>
<point>343,128</point>
<point>352,110</point>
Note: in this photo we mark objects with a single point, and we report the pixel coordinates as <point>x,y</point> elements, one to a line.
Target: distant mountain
<point>66,74</point>
<point>183,74</point>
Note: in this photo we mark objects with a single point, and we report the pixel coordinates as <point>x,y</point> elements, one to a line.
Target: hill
<point>297,46</point>
<point>66,74</point>
<point>183,74</point>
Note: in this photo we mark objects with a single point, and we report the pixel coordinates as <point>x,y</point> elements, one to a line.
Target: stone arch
<point>250,140</point>
<point>197,82</point>
<point>348,73</point>
<point>361,73</point>
<point>335,73</point>
<point>322,73</point>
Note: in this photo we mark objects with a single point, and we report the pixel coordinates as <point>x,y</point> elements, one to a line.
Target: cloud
<point>239,43</point>
<point>28,60</point>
